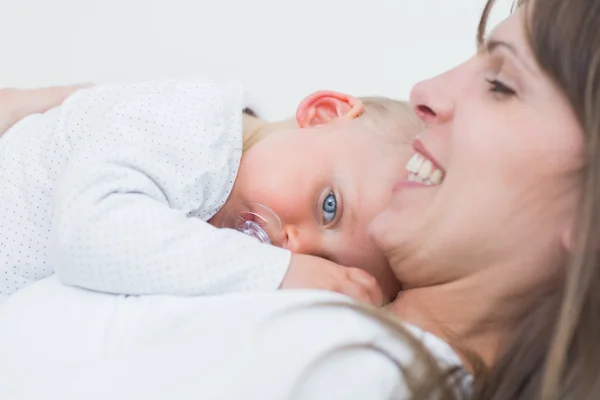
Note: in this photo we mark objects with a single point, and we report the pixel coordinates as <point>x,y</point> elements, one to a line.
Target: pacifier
<point>255,220</point>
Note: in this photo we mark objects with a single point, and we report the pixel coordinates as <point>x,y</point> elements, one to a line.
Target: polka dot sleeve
<point>144,177</point>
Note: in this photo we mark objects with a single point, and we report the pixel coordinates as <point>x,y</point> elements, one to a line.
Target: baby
<point>123,189</point>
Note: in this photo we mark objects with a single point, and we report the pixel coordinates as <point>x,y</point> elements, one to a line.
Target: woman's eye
<point>497,86</point>
<point>329,209</point>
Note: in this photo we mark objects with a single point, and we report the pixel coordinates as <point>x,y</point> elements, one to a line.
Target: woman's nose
<point>432,100</point>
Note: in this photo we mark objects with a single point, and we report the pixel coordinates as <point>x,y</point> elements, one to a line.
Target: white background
<point>280,49</point>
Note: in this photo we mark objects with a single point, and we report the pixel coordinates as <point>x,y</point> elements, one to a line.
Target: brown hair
<point>555,354</point>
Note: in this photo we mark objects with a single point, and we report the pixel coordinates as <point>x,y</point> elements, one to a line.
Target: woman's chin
<point>386,232</point>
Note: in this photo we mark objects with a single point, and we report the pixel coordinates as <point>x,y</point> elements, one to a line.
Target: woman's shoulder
<point>305,318</point>
<point>324,346</point>
<point>332,316</point>
<point>308,344</point>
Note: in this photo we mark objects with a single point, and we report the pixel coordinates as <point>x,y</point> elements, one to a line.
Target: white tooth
<point>410,166</point>
<point>425,169</point>
<point>411,177</point>
<point>418,161</point>
<point>436,177</point>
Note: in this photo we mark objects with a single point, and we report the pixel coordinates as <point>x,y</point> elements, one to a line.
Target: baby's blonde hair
<point>392,118</point>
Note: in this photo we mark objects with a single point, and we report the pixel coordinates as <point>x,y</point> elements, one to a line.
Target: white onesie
<point>112,191</point>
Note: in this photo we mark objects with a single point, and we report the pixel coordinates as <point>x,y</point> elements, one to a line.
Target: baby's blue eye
<point>329,208</point>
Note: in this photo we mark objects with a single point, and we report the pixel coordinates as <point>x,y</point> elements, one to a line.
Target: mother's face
<point>511,149</point>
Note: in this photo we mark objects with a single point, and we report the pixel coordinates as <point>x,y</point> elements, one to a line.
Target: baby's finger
<point>369,283</point>
<point>356,291</point>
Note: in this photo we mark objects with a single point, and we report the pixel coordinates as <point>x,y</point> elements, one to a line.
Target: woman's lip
<point>420,148</point>
<point>405,183</point>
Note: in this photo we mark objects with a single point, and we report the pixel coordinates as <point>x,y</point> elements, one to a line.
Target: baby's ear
<point>323,107</point>
<point>250,112</point>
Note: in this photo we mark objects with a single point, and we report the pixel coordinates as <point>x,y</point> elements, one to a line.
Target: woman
<point>499,261</point>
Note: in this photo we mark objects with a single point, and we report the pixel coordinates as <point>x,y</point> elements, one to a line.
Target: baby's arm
<point>130,209</point>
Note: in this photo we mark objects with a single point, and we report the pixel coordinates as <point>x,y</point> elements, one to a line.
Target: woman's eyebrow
<point>493,44</point>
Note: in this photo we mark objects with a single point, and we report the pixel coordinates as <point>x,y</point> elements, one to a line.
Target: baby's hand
<point>310,272</point>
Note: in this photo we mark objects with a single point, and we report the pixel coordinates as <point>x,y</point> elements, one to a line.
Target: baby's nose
<point>301,240</point>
